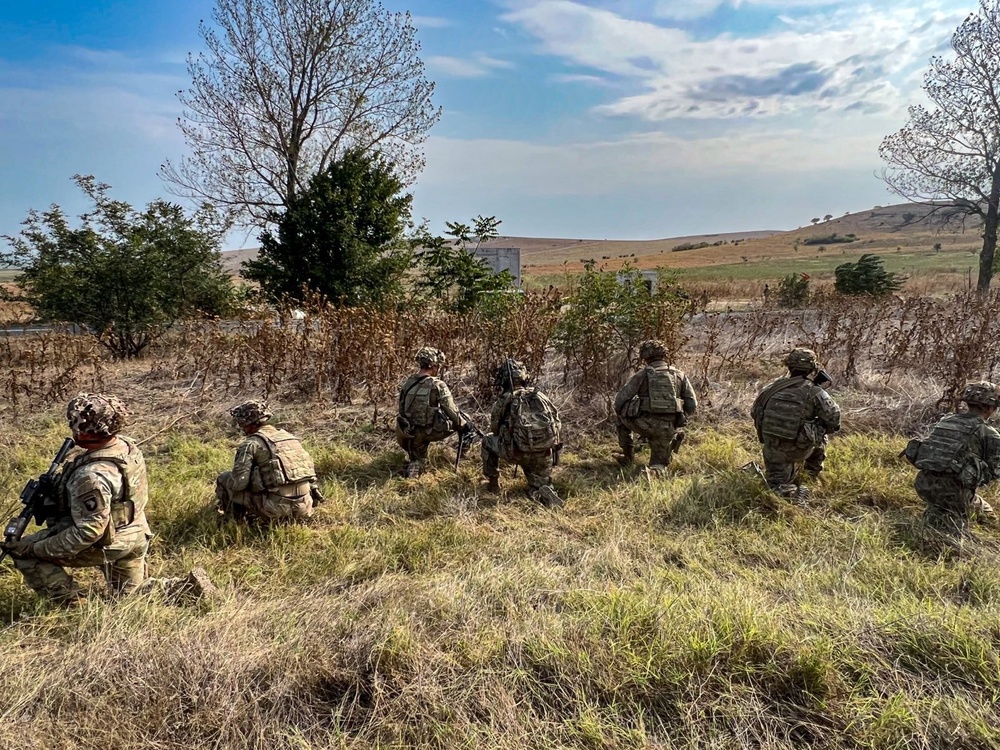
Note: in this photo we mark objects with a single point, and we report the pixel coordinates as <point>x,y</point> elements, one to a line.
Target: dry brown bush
<point>43,368</point>
<point>947,339</point>
<point>343,354</point>
<point>359,355</point>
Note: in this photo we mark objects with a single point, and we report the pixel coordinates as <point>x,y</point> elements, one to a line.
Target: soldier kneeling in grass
<point>961,453</point>
<point>273,477</point>
<point>793,416</point>
<point>98,514</point>
<point>525,430</point>
<point>655,403</point>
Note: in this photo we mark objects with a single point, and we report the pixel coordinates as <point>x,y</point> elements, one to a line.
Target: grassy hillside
<point>696,611</point>
<point>934,256</point>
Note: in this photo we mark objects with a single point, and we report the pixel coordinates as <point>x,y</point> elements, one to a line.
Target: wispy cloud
<point>835,60</point>
<point>478,66</point>
<point>605,166</point>
<point>432,22</point>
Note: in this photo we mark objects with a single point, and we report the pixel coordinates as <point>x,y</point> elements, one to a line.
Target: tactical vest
<point>784,411</point>
<point>948,448</point>
<point>289,462</point>
<point>662,389</point>
<point>418,401</point>
<point>533,421</point>
<point>130,508</point>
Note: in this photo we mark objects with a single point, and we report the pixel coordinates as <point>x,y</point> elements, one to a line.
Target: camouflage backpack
<point>784,411</point>
<point>946,450</point>
<point>662,390</point>
<point>534,421</point>
<point>415,402</point>
<point>290,463</point>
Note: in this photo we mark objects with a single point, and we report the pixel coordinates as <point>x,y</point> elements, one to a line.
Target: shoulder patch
<point>93,501</point>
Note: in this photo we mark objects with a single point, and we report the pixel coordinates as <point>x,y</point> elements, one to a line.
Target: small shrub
<point>866,276</point>
<point>609,314</point>
<point>793,292</point>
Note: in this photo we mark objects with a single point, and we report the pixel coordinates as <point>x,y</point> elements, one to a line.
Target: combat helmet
<point>983,393</point>
<point>652,350</point>
<point>250,412</point>
<point>801,359</point>
<point>428,356</point>
<point>509,374</point>
<point>96,414</point>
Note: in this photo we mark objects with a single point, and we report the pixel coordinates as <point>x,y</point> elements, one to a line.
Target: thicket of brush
<point>697,611</point>
<point>588,335</point>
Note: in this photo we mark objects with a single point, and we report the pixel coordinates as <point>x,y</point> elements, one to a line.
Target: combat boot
<point>548,497</point>
<point>413,470</point>
<point>492,485</point>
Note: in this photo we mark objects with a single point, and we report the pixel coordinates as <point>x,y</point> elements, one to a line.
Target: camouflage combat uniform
<point>658,419</point>
<point>961,453</point>
<point>100,519</point>
<point>273,477</point>
<point>427,411</point>
<point>500,443</point>
<point>793,416</point>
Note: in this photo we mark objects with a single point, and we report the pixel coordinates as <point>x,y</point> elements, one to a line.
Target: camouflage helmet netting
<point>96,414</point>
<point>652,349</point>
<point>428,356</point>
<point>254,411</point>
<point>801,359</point>
<point>982,392</point>
<point>510,370</point>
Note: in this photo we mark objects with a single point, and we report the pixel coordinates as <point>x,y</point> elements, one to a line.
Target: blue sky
<point>625,119</point>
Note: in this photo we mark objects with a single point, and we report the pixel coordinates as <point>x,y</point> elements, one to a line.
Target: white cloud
<point>589,168</point>
<point>653,185</point>
<point>478,66</point>
<point>432,22</point>
<point>836,61</point>
<point>683,10</point>
<point>579,78</point>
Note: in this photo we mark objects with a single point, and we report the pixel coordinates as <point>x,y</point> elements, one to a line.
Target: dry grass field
<point>694,611</point>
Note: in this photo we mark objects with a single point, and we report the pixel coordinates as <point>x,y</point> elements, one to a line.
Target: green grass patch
<point>697,610</point>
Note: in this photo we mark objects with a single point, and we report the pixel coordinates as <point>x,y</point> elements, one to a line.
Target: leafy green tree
<point>450,273</point>
<point>343,236</point>
<point>866,276</point>
<point>125,276</point>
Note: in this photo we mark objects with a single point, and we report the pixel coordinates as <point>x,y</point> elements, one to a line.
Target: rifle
<point>822,378</point>
<point>36,498</point>
<point>677,441</point>
<point>467,440</point>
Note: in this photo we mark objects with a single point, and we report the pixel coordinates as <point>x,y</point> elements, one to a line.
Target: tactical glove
<point>317,495</point>
<point>20,549</point>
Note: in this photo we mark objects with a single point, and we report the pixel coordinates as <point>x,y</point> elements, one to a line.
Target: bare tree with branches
<point>951,153</point>
<point>283,87</point>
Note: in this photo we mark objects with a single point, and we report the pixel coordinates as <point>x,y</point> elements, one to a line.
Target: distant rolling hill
<point>895,228</point>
